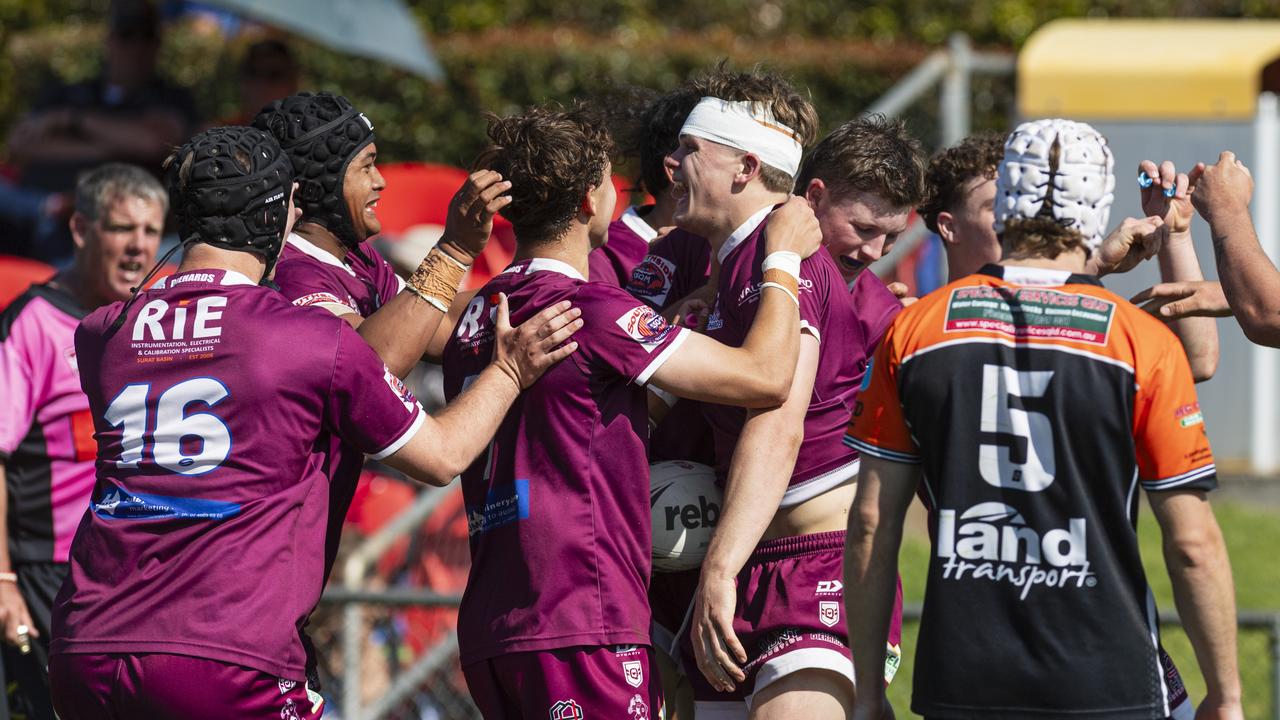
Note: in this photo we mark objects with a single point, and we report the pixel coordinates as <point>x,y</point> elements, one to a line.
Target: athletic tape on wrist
<point>788,281</point>
<point>783,288</point>
<point>749,127</point>
<point>783,260</point>
<point>437,279</point>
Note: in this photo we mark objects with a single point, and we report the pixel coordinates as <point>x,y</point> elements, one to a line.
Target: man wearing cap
<point>216,404</point>
<point>1030,403</point>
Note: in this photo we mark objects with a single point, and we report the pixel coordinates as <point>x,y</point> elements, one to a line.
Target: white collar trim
<point>548,265</point>
<point>324,256</point>
<point>743,232</point>
<point>632,220</point>
<point>1034,276</point>
<point>231,277</point>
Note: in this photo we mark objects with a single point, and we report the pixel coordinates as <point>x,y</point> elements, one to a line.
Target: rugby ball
<point>685,505</point>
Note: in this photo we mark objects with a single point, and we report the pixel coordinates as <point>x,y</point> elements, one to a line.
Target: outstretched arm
<point>1249,279</point>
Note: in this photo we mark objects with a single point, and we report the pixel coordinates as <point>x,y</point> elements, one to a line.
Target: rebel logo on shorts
<point>566,710</point>
<point>633,671</point>
<point>644,326</point>
<point>829,612</point>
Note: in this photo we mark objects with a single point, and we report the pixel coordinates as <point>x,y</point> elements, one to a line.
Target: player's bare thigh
<point>811,694</point>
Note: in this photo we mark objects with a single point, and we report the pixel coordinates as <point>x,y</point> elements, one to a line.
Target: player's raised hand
<point>1135,240</point>
<point>470,220</point>
<point>1226,186</point>
<point>529,349</point>
<point>1175,210</point>
<point>715,645</point>
<point>1176,300</point>
<point>18,627</point>
<point>793,228</point>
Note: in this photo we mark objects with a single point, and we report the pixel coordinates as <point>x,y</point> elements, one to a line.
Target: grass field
<point>1253,540</point>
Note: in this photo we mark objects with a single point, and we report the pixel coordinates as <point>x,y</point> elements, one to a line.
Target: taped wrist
<point>437,279</point>
<point>783,260</point>
<point>784,281</point>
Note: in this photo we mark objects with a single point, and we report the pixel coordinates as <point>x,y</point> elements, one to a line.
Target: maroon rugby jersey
<point>215,404</point>
<point>558,507</point>
<point>629,238</point>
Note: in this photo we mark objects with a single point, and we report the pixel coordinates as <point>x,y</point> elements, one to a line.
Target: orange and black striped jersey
<point>1035,401</point>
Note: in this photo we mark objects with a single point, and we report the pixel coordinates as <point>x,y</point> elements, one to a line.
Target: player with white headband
<point>763,630</point>
<point>1029,403</point>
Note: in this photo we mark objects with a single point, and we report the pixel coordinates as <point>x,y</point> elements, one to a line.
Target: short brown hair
<point>778,96</point>
<point>552,158</point>
<point>950,170</point>
<point>873,155</point>
<point>1044,237</point>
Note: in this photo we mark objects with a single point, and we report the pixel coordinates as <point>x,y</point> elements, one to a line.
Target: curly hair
<point>1043,237</point>
<point>873,155</point>
<point>552,158</point>
<point>649,130</point>
<point>778,96</point>
<point>950,170</point>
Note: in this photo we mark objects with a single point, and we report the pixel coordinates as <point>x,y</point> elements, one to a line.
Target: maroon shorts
<point>160,686</point>
<point>790,617</point>
<point>571,683</point>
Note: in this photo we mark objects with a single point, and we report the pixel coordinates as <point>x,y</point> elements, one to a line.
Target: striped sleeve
<point>1169,432</point>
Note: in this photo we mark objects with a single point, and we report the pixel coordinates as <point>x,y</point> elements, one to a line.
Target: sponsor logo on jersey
<point>398,387</point>
<point>829,587</point>
<point>637,709</point>
<point>633,671</point>
<point>322,298</point>
<point>566,710</point>
<point>751,293</point>
<point>652,278</point>
<point>991,541</point>
<point>892,661</point>
<point>714,320</point>
<point>1040,313</point>
<point>1189,415</point>
<point>502,506</point>
<point>285,685</point>
<point>191,277</point>
<point>829,612</point>
<point>644,326</point>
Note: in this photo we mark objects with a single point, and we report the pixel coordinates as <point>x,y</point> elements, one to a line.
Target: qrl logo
<point>829,612</point>
<point>566,710</point>
<point>633,671</point>
<point>704,514</point>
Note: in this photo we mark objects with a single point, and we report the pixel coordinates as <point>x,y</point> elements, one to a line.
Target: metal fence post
<point>955,90</point>
<point>1274,633</point>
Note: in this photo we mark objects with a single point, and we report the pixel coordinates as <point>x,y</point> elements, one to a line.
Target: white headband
<point>740,125</point>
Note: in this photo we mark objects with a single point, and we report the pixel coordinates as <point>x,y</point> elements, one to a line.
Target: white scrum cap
<point>1077,190</point>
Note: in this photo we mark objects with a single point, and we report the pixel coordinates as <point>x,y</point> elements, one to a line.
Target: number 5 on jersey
<point>1016,445</point>
<point>172,425</point>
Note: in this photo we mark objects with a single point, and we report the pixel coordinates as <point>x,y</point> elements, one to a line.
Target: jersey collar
<point>1037,277</point>
<point>308,248</point>
<point>743,232</point>
<point>545,265</point>
<point>632,220</point>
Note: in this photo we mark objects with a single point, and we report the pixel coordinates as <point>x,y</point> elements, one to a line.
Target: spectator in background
<point>125,114</point>
<point>47,448</point>
<point>268,72</point>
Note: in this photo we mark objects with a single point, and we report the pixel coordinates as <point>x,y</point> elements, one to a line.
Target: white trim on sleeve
<point>682,334</point>
<point>882,453</point>
<point>1187,477</point>
<point>404,437</point>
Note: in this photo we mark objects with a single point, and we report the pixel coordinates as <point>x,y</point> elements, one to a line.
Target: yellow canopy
<point>1147,69</point>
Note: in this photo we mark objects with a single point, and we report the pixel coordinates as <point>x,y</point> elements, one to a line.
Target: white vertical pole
<point>1265,441</point>
<point>956,107</point>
